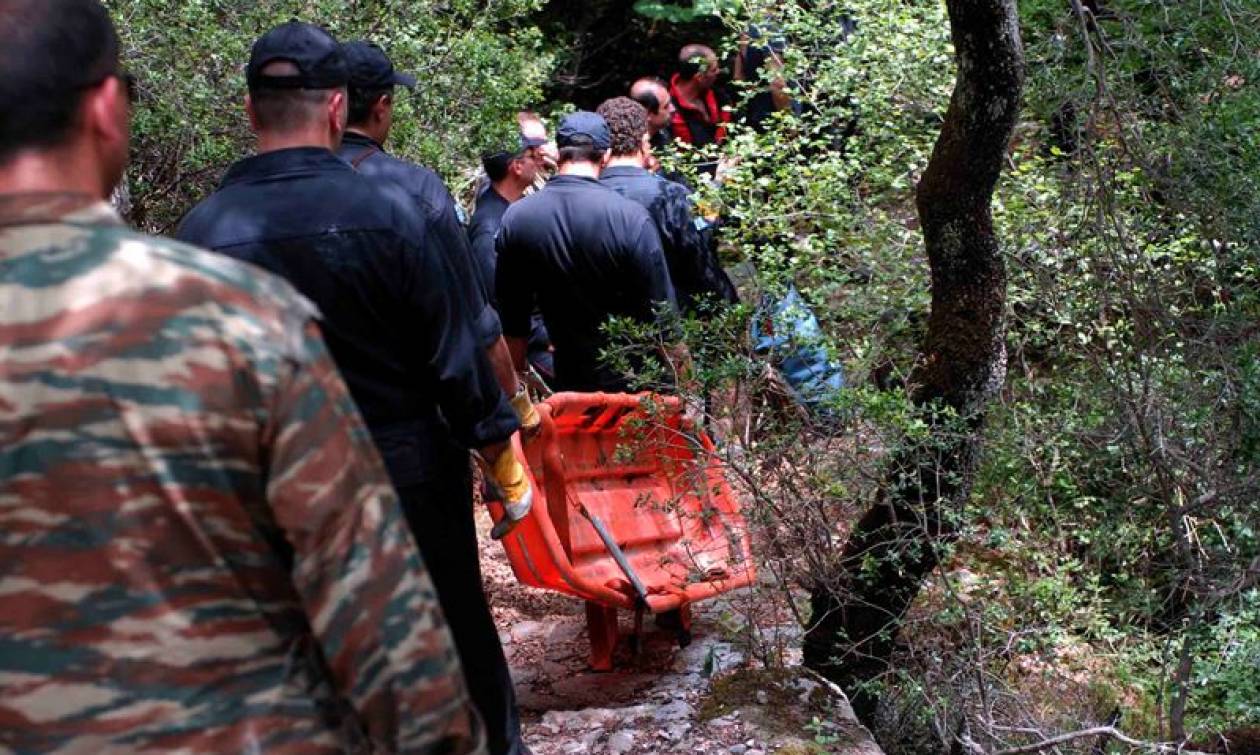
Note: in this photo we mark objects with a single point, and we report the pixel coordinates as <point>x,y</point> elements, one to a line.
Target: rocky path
<point>700,699</point>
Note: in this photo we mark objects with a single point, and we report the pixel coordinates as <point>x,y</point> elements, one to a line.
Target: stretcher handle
<point>641,595</point>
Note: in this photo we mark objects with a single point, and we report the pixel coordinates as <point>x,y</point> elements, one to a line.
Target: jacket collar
<point>571,180</point>
<point>355,139</point>
<point>710,101</point>
<point>284,162</point>
<point>55,207</point>
<point>625,171</point>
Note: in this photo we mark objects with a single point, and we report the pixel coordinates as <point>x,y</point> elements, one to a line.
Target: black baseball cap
<point>371,68</point>
<point>317,56</point>
<point>495,160</point>
<point>582,127</point>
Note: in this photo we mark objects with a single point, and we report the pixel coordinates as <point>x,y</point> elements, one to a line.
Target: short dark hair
<point>497,164</point>
<point>362,101</point>
<point>285,109</point>
<point>52,51</point>
<point>627,123</point>
<point>648,101</point>
<point>689,57</point>
<point>580,152</point>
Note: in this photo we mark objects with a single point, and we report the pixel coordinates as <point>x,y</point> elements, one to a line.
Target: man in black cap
<point>511,172</point>
<point>694,268</point>
<point>584,254</point>
<point>371,116</point>
<point>393,314</point>
<point>372,83</point>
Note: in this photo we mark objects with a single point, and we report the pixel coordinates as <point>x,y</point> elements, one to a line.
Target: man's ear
<point>338,112</point>
<point>382,107</point>
<point>105,111</point>
<point>249,111</point>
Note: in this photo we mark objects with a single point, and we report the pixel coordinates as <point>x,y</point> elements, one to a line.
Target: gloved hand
<point>508,475</point>
<point>525,412</point>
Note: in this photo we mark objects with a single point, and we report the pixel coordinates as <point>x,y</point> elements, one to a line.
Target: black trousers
<point>440,515</point>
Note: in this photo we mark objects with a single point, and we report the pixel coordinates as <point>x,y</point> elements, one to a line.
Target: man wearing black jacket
<point>396,316</point>
<point>693,266</point>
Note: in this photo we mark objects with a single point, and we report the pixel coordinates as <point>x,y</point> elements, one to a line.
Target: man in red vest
<point>698,119</point>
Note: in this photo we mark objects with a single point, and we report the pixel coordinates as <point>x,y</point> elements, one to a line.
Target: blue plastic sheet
<point>788,331</point>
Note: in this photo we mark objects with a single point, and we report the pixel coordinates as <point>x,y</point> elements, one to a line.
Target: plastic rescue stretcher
<point>631,512</point>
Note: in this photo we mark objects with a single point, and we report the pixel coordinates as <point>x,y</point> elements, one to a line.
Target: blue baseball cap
<point>371,68</point>
<point>313,52</point>
<point>583,128</point>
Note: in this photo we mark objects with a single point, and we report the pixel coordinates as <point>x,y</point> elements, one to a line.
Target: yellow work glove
<point>518,496</point>
<point>525,412</point>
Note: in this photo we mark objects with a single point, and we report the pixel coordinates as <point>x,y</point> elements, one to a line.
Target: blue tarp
<point>788,331</point>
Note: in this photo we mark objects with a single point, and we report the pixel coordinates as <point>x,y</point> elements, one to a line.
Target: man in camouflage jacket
<point>199,547</point>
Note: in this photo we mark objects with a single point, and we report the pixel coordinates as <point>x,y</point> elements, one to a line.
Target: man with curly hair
<point>693,266</point>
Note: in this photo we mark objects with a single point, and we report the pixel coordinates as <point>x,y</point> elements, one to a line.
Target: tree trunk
<point>895,545</point>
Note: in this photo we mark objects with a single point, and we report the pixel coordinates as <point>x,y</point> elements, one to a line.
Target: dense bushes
<point>1109,555</point>
<point>478,63</point>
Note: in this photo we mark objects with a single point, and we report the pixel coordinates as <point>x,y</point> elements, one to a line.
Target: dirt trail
<point>664,702</point>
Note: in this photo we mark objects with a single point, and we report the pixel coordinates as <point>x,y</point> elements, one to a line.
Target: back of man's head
<point>51,52</point>
<point>372,78</point>
<point>294,71</point>
<point>627,125</point>
<point>582,138</point>
<point>646,92</point>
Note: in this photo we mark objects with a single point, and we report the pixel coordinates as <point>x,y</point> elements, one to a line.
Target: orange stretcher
<point>632,511</point>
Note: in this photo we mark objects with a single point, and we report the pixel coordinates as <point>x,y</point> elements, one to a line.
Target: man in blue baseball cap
<point>584,254</point>
<point>448,537</point>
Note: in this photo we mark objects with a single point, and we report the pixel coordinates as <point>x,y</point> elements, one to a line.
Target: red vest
<point>687,120</point>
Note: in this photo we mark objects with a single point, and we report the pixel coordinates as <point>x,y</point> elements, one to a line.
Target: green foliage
<point>477,65</point>
<point>1226,681</point>
<point>1115,503</point>
<point>680,14</point>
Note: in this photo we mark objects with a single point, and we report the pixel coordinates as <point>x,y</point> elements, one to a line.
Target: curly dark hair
<point>627,123</point>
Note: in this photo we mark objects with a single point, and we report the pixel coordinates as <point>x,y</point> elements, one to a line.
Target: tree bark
<point>895,545</point>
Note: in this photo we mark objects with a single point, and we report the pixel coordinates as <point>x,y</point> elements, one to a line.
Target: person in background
<point>582,254</point>
<point>371,116</point>
<point>510,173</point>
<point>534,130</point>
<point>653,94</point>
<point>201,551</point>
<point>693,267</point>
<point>396,318</point>
<point>699,119</point>
<point>760,51</point>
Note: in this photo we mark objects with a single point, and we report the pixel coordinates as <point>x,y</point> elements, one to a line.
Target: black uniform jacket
<point>391,309</point>
<point>487,217</point>
<point>693,266</point>
<point>584,254</point>
<point>435,202</point>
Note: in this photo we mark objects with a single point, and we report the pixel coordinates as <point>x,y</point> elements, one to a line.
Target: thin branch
<point>1109,731</point>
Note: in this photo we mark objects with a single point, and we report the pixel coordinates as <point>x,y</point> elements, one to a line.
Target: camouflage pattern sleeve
<point>356,568</point>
